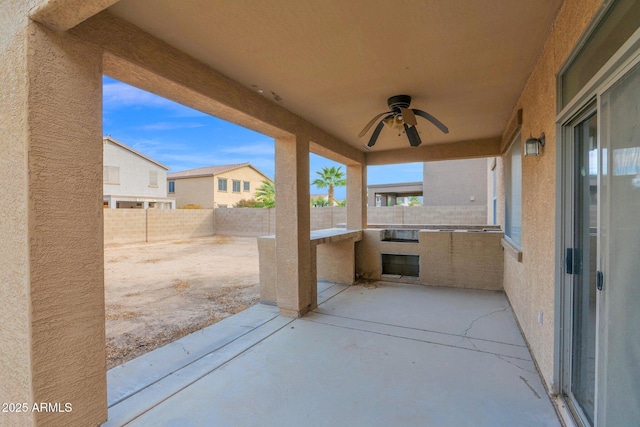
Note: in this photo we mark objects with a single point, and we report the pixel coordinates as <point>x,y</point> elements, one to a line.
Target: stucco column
<point>356,197</point>
<point>52,343</point>
<point>295,283</point>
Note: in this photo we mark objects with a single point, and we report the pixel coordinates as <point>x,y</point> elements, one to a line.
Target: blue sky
<point>183,138</point>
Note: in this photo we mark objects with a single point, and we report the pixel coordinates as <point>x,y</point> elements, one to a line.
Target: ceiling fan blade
<point>432,119</point>
<point>376,132</point>
<point>412,134</point>
<point>408,116</point>
<point>368,126</point>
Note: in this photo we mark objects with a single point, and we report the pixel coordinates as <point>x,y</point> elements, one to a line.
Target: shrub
<point>249,203</point>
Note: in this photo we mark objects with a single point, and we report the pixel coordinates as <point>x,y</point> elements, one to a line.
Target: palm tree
<point>266,194</point>
<point>330,178</point>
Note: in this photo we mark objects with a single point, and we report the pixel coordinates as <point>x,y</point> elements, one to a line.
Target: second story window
<point>247,186</point>
<point>153,178</point>
<point>111,174</point>
<point>222,184</point>
<point>172,186</point>
<point>236,186</point>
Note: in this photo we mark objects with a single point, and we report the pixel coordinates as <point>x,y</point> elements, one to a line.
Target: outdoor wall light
<point>532,145</point>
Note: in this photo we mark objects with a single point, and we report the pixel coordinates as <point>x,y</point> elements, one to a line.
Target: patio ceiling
<point>335,63</point>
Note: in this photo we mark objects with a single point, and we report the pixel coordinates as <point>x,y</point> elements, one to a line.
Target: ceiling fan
<point>401,118</point>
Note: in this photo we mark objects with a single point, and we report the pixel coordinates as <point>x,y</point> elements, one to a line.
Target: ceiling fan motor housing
<point>398,101</point>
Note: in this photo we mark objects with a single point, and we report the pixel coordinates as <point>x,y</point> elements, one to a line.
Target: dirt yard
<point>156,293</point>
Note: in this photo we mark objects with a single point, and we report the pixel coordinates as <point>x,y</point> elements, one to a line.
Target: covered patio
<point>374,354</point>
<point>557,81</point>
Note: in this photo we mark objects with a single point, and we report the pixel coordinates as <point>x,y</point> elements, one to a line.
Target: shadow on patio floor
<point>378,354</point>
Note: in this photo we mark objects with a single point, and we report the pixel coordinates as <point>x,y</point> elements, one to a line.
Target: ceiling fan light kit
<point>401,118</point>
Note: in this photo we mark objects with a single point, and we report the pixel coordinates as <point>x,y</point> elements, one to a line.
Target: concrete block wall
<point>462,259</point>
<point>466,215</point>
<point>175,224</point>
<point>459,259</point>
<point>322,218</point>
<point>136,225</point>
<point>245,222</point>
<point>123,226</point>
<point>262,222</point>
<point>339,216</point>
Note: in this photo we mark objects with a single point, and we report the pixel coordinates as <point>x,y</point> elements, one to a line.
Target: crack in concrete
<point>183,347</point>
<point>530,388</point>
<point>470,339</point>
<point>466,331</point>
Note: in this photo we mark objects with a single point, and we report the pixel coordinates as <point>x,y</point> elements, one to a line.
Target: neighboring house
<point>315,198</point>
<point>444,183</point>
<point>389,194</point>
<point>133,180</point>
<point>455,183</point>
<point>216,186</point>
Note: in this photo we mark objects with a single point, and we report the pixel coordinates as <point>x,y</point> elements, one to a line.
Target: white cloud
<point>194,160</point>
<point>116,95</point>
<point>169,126</point>
<point>119,95</point>
<point>255,149</point>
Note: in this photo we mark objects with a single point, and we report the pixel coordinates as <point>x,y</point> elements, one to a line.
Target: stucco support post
<point>296,284</point>
<point>52,343</point>
<point>356,197</point>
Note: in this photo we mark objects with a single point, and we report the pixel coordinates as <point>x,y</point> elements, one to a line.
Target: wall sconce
<point>532,145</point>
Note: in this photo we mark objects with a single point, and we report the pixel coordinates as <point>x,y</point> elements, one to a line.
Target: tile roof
<point>207,171</point>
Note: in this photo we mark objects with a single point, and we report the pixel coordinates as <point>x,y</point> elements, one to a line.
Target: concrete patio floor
<point>384,354</point>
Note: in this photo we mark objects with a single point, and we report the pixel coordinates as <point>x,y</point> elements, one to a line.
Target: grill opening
<point>396,235</point>
<point>402,265</point>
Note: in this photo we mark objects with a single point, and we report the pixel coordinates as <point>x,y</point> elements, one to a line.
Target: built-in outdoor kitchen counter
<point>332,258</point>
<point>440,255</point>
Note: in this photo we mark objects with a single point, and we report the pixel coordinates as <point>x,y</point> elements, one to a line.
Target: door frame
<point>565,288</point>
<point>587,100</point>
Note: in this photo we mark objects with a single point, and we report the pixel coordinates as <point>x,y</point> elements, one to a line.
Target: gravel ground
<point>156,293</point>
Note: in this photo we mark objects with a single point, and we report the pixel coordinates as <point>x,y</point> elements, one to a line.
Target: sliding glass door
<point>619,314</point>
<point>600,357</point>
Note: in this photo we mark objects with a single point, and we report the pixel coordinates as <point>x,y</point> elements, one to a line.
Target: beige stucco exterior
<point>52,343</point>
<point>205,190</point>
<point>530,284</point>
<point>454,183</point>
<point>194,191</point>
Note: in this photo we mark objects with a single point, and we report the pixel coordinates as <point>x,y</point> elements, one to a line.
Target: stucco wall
<point>455,183</point>
<point>530,284</point>
<point>51,263</point>
<point>194,191</point>
<point>15,369</point>
<point>134,173</point>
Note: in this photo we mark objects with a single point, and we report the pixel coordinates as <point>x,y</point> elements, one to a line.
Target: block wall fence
<point>123,226</point>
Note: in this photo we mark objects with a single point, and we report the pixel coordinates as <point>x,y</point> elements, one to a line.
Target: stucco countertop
<point>329,235</point>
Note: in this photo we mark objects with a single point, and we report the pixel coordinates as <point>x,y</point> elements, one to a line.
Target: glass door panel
<point>584,263</point>
<point>619,357</point>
